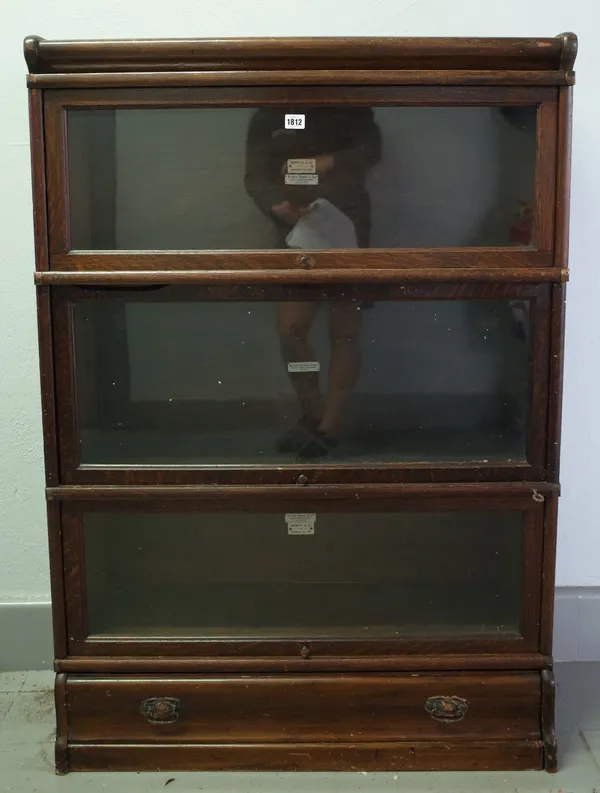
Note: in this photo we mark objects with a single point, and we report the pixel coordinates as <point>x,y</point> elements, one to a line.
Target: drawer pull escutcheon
<point>160,710</point>
<point>446,709</point>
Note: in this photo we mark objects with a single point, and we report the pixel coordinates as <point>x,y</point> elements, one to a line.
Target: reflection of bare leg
<point>344,334</point>
<point>294,321</point>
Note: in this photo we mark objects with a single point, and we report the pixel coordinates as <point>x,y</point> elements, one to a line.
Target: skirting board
<point>26,630</point>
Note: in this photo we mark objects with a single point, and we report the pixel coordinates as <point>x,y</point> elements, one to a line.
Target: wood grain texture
<point>271,53</point>
<point>46,350</point>
<point>307,95</point>
<point>363,274</point>
<point>356,653</point>
<point>449,492</point>
<point>56,178</point>
<point>563,176</point>
<point>323,475</point>
<point>558,306</point>
<point>75,579</point>
<point>373,292</point>
<point>65,345</point>
<point>383,663</point>
<point>548,573</point>
<point>57,584</point>
<point>38,178</point>
<point>555,391</point>
<point>305,708</point>
<point>548,733</point>
<point>398,77</point>
<point>61,748</point>
<point>539,355</point>
<point>555,397</point>
<point>545,176</point>
<point>533,535</point>
<point>410,756</point>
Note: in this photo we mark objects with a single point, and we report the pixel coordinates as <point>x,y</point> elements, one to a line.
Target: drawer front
<point>302,708</point>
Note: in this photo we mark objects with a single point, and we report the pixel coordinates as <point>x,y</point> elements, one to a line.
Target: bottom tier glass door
<point>315,574</point>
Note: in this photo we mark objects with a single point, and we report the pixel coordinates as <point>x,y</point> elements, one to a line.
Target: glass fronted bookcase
<point>301,313</point>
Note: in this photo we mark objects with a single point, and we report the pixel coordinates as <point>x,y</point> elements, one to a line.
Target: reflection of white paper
<point>325,226</point>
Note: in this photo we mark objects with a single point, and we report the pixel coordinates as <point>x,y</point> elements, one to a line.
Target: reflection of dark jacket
<point>349,134</point>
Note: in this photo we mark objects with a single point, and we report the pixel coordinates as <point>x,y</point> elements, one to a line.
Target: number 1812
<point>294,122</point>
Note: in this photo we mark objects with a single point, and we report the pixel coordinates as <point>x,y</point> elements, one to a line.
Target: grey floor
<point>26,732</point>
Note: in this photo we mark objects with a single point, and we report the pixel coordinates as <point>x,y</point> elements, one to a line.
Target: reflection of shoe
<point>296,437</point>
<point>317,445</point>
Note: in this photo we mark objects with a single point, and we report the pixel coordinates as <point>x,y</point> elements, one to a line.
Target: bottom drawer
<point>307,708</point>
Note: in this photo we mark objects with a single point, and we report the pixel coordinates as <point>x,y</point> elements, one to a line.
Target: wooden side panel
<point>38,175</point>
<point>305,708</point>
<point>545,192</point>
<point>57,583</point>
<point>548,733</point>
<point>56,178</point>
<point>47,351</point>
<point>548,573</point>
<point>563,175</point>
<point>555,390</point>
<point>61,749</point>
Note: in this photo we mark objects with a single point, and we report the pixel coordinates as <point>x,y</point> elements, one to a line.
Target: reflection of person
<point>344,143</point>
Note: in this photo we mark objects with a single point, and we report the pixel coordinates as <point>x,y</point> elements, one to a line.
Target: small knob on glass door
<point>302,479</point>
<point>304,261</point>
<point>305,651</point>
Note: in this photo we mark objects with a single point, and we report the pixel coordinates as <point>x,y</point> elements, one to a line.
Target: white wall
<point>23,567</point>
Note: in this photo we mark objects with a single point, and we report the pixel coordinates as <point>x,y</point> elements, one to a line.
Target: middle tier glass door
<point>309,377</point>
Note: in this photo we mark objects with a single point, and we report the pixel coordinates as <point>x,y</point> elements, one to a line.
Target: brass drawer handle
<point>160,710</point>
<point>446,709</point>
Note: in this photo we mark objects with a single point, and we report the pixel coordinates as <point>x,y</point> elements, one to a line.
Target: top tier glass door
<point>330,177</point>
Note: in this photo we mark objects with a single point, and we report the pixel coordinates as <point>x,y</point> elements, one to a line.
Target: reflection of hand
<point>288,213</point>
<point>323,164</point>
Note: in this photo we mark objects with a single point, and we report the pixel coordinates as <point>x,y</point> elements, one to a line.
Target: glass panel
<point>236,178</point>
<point>170,382</point>
<point>361,575</point>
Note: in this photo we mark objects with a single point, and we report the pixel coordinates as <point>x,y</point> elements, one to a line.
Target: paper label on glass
<point>304,366</point>
<point>295,120</point>
<point>302,178</point>
<point>300,522</point>
<point>304,165</point>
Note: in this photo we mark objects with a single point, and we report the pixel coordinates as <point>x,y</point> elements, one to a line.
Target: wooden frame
<point>515,673</point>
<point>63,258</point>
<point>498,55</point>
